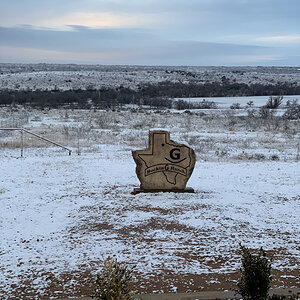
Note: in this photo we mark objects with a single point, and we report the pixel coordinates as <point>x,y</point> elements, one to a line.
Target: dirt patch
<point>80,283</point>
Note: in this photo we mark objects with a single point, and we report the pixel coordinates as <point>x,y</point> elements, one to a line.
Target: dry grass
<point>216,136</point>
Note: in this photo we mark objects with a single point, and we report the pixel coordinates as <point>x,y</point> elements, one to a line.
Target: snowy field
<point>61,215</point>
<point>66,77</point>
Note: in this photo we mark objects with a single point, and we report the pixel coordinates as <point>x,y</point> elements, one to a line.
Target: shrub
<point>293,110</point>
<point>204,104</point>
<point>250,103</point>
<point>274,102</point>
<point>274,157</point>
<point>182,104</point>
<point>113,282</point>
<point>255,275</point>
<point>235,106</point>
<point>259,156</point>
<point>265,113</point>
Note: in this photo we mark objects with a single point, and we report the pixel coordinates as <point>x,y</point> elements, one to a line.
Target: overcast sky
<point>151,32</point>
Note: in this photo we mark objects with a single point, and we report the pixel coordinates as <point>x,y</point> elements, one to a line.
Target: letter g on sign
<point>175,153</point>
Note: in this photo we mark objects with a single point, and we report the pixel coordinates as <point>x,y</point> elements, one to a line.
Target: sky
<point>151,32</point>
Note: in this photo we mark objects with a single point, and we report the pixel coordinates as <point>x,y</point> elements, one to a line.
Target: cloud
<point>77,38</point>
<point>33,55</point>
<point>155,31</point>
<point>125,46</point>
<point>207,16</point>
<point>103,20</point>
<point>280,39</point>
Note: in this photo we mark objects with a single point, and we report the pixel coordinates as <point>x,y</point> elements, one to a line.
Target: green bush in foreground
<point>113,282</point>
<point>255,275</point>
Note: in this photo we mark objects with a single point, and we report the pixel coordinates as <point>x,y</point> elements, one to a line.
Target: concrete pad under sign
<point>139,190</point>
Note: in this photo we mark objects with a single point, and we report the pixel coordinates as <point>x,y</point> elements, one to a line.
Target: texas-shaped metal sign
<point>165,165</point>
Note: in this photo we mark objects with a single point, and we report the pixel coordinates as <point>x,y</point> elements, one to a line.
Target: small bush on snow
<point>255,279</point>
<point>113,281</point>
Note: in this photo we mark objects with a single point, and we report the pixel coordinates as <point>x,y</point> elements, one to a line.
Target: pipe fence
<point>22,130</point>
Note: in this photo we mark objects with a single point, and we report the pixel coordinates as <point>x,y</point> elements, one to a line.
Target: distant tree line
<point>154,95</point>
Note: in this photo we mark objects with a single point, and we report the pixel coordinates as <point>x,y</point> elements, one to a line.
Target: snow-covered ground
<point>65,77</point>
<point>61,215</point>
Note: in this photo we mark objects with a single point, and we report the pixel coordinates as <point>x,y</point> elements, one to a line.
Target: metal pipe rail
<point>22,130</point>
